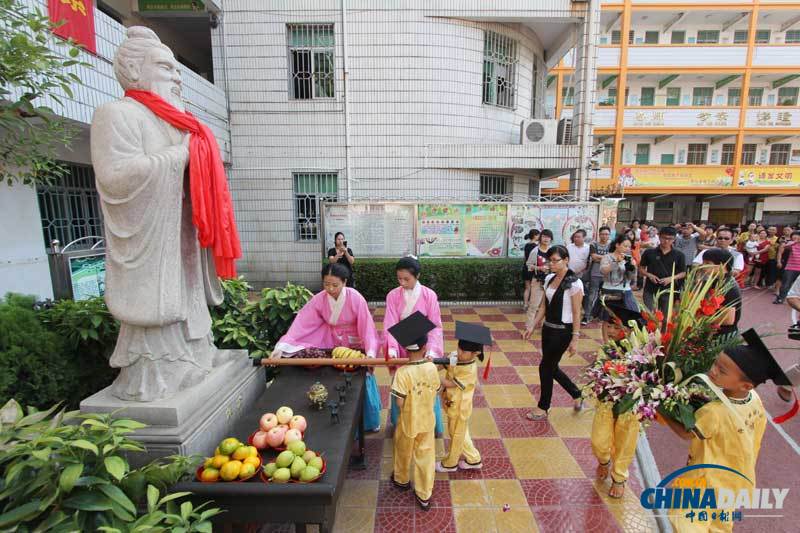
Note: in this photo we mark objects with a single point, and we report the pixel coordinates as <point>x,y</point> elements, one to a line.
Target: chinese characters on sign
<point>76,21</point>
<point>676,176</point>
<point>651,118</point>
<point>774,118</point>
<point>758,176</point>
<point>719,118</point>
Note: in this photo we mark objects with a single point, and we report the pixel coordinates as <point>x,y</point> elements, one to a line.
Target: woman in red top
<point>760,259</point>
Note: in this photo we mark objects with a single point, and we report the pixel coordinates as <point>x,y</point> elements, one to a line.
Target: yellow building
<point>681,141</point>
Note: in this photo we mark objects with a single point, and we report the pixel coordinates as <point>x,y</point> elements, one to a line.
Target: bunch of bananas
<point>343,352</point>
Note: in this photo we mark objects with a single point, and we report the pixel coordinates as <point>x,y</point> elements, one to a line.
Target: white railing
<point>204,99</point>
<point>695,55</point>
<point>776,56</point>
<point>607,56</point>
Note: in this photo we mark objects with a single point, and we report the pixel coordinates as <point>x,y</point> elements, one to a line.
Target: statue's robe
<point>159,280</point>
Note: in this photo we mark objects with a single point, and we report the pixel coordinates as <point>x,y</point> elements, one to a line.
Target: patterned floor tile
<point>500,326</point>
<point>588,345</point>
<point>471,520</point>
<point>374,449</point>
<point>581,450</point>
<point>394,520</point>
<point>515,345</point>
<point>573,360</point>
<point>487,310</point>
<point>569,423</point>
<point>468,493</point>
<point>575,519</point>
<point>462,311</point>
<point>482,424</point>
<point>493,468</point>
<point>498,359</point>
<point>441,496</point>
<point>490,447</point>
<point>359,493</point>
<point>560,397</point>
<point>354,519</point>
<point>555,492</point>
<point>512,424</point>
<point>502,375</point>
<point>507,395</point>
<point>489,319</point>
<point>542,458</point>
<point>391,496</point>
<point>515,520</point>
<point>505,492</point>
<point>438,519</point>
<point>628,511</point>
<point>528,374</point>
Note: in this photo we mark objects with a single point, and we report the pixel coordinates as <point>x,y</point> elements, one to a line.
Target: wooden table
<point>254,502</point>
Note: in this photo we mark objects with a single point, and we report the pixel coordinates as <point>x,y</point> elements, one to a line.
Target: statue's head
<point>142,62</point>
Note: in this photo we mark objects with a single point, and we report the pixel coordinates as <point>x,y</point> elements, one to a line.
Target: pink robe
<point>427,304</point>
<point>315,327</point>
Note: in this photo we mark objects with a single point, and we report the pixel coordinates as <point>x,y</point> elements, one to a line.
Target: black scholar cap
<point>624,314</point>
<point>473,337</point>
<point>756,362</point>
<point>412,332</point>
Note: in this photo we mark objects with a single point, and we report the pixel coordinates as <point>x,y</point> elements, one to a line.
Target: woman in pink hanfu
<point>337,316</point>
<point>401,302</point>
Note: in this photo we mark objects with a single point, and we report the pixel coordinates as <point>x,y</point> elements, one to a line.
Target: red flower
<point>665,338</point>
<point>620,335</point>
<point>659,315</point>
<point>617,321</point>
<point>620,368</point>
<point>651,326</point>
<point>607,366</point>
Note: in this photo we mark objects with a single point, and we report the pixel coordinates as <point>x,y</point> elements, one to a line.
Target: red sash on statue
<point>212,208</point>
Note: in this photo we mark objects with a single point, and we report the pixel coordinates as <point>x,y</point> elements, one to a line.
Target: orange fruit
<point>230,470</point>
<point>210,474</point>
<point>219,461</point>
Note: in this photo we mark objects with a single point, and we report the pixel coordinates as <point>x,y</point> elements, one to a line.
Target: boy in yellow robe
<point>614,438</point>
<point>459,383</point>
<point>415,387</point>
<point>728,433</point>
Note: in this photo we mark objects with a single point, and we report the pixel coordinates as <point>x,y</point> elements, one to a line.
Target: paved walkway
<point>537,476</point>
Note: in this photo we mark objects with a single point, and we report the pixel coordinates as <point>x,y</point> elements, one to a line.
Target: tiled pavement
<point>536,476</point>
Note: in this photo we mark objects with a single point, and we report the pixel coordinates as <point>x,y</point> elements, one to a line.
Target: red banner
<point>78,21</point>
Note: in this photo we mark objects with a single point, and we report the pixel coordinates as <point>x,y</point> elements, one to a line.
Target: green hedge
<point>452,279</point>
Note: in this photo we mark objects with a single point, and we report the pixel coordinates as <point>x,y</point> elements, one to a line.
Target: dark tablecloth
<point>254,501</point>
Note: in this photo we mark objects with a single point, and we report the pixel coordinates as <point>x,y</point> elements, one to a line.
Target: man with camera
<point>660,267</point>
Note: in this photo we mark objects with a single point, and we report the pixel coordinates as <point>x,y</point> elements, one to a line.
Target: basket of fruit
<point>294,465</point>
<point>232,461</point>
<point>277,430</point>
<point>343,352</point>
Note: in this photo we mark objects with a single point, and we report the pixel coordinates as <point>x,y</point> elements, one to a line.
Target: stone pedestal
<point>193,421</point>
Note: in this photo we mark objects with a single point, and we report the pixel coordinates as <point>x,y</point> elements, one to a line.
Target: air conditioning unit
<point>565,131</point>
<point>538,131</point>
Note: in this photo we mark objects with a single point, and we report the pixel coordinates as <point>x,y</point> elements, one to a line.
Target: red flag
<point>78,21</point>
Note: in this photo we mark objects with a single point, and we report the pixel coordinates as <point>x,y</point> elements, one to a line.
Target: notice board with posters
<point>563,219</point>
<point>87,276</point>
<point>371,229</point>
<point>461,230</point>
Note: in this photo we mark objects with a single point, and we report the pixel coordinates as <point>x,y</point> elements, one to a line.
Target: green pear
<point>297,467</point>
<point>285,459</point>
<point>309,473</point>
<point>316,462</point>
<point>281,475</point>
<point>297,447</point>
<point>308,456</point>
<point>269,469</point>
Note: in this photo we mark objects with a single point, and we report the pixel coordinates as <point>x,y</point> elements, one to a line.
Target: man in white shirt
<point>578,253</point>
<point>724,241</point>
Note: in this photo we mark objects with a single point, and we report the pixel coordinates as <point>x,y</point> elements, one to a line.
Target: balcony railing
<point>204,99</point>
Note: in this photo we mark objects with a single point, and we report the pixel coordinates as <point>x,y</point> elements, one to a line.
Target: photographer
<point>618,268</point>
<point>661,266</point>
<point>343,255</point>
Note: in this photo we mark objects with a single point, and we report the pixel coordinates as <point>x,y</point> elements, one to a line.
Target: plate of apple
<point>278,429</point>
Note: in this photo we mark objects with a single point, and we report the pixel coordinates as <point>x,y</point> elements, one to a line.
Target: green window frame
<point>702,96</point>
<point>707,36</point>
<point>311,61</point>
<point>755,95</point>
<point>642,154</point>
<point>763,36</point>
<point>728,154</point>
<point>310,191</point>
<point>792,37</point>
<point>651,37</point>
<point>787,96</point>
<point>678,37</point>
<point>735,96</point>
<point>740,36</point>
<point>667,159</point>
<point>673,96</point>
<point>647,96</point>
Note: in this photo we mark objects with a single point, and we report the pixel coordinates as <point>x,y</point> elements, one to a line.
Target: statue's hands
<point>184,147</point>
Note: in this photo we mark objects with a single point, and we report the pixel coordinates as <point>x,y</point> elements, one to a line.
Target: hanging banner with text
<point>87,276</point>
<point>766,176</point>
<point>76,21</point>
<point>562,219</point>
<point>171,5</point>
<point>677,176</point>
<point>461,230</point>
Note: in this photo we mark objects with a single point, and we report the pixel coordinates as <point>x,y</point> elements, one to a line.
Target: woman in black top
<point>729,325</point>
<point>343,255</point>
<point>527,274</point>
<point>559,314</point>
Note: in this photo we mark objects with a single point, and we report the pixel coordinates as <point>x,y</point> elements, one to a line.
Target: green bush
<point>35,367</point>
<point>87,325</point>
<point>452,279</point>
<point>279,307</point>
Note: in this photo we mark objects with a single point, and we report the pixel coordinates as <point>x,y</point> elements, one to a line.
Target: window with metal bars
<point>673,96</point>
<point>647,96</point>
<point>792,37</point>
<point>702,96</point>
<point>608,154</point>
<point>696,155</point>
<point>311,61</point>
<point>707,36</point>
<point>499,70</point>
<point>678,37</point>
<point>754,96</point>
<point>749,154</point>
<point>310,190</point>
<point>779,154</point>
<point>651,37</point>
<point>568,95</point>
<point>740,36</point>
<point>762,36</point>
<point>787,96</point>
<point>734,96</point>
<point>728,154</point>
<point>70,208</point>
<point>642,154</point>
<point>616,36</point>
<point>495,188</point>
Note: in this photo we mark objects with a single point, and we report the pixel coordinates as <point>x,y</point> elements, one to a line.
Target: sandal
<point>401,486</point>
<point>602,470</point>
<point>530,415</point>
<point>616,484</point>
<point>578,405</point>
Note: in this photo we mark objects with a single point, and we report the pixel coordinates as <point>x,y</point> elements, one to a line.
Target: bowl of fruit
<point>296,464</point>
<point>232,462</point>
<point>277,430</point>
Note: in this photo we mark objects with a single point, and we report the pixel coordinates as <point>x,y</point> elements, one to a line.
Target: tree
<point>33,64</point>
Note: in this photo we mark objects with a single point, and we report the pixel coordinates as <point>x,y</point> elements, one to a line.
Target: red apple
<point>275,437</point>
<point>260,440</point>
<point>298,422</point>
<point>268,421</point>
<point>292,435</point>
<point>284,414</point>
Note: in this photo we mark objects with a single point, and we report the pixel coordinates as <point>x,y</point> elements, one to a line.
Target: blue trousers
<point>437,411</point>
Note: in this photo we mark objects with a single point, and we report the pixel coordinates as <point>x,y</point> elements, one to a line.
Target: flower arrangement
<point>652,368</point>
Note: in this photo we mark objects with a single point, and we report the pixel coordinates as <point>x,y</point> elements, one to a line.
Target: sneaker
<point>584,322</point>
<point>445,469</point>
<point>376,430</point>
<point>463,465</point>
<point>425,505</point>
